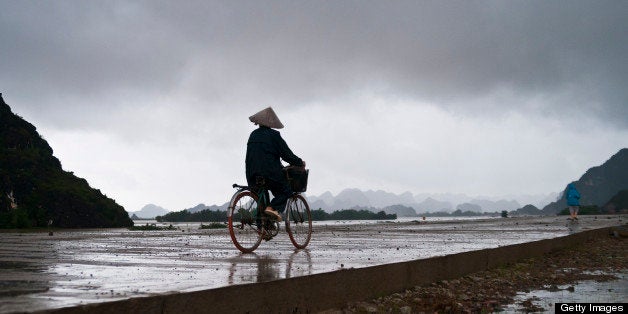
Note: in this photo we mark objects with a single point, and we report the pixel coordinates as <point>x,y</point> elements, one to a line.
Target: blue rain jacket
<point>573,196</point>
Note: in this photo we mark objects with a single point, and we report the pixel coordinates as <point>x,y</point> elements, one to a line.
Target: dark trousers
<point>278,185</point>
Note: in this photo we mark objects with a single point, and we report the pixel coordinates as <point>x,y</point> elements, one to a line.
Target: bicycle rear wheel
<point>245,231</point>
<point>298,221</point>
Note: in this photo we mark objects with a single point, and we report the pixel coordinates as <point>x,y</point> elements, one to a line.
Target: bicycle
<point>249,225</point>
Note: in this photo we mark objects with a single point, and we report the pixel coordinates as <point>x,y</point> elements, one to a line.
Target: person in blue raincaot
<point>573,201</point>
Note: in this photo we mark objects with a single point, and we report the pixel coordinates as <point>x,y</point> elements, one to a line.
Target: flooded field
<point>39,271</point>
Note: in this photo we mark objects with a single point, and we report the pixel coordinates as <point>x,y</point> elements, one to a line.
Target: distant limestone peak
<point>150,211</point>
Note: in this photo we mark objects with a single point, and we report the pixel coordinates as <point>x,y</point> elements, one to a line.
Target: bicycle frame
<point>270,227</point>
<point>261,195</point>
<point>248,222</point>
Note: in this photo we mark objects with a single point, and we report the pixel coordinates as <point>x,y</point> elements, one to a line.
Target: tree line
<point>319,214</point>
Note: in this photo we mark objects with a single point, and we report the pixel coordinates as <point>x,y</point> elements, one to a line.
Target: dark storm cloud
<point>59,49</point>
<point>568,55</point>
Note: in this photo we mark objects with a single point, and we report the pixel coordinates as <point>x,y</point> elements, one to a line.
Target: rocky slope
<point>599,184</point>
<point>36,192</point>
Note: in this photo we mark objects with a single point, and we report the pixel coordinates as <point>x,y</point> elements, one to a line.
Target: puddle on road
<point>589,291</point>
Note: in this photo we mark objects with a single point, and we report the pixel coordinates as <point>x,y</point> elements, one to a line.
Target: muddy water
<point>588,291</point>
<point>38,271</point>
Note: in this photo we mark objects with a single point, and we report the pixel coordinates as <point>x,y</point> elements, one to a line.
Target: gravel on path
<point>491,290</point>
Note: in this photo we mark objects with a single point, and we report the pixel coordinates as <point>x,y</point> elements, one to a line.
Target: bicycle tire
<point>244,229</point>
<point>298,221</point>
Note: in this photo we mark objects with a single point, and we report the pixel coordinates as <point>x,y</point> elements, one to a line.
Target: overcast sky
<point>149,100</point>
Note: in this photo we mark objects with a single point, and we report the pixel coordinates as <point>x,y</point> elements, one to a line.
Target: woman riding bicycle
<point>265,148</point>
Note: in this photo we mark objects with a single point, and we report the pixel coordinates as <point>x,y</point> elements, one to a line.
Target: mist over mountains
<point>421,203</point>
<point>404,204</point>
<point>150,211</point>
<point>598,185</point>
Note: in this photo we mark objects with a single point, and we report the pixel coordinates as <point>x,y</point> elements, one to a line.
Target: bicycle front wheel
<point>244,228</point>
<point>298,221</point>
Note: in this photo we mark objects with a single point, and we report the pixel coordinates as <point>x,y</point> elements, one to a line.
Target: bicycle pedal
<point>272,217</point>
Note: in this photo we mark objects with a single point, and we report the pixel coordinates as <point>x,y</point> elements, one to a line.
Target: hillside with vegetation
<point>599,184</point>
<point>36,192</point>
<point>617,204</point>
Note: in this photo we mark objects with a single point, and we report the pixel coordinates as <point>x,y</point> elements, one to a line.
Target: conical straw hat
<point>267,117</point>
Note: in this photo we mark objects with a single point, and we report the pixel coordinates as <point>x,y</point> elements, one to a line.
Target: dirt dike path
<point>78,270</point>
<point>595,270</point>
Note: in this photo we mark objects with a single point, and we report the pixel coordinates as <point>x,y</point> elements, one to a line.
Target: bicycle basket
<point>297,178</point>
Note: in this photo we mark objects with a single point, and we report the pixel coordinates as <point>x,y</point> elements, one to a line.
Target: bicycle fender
<point>231,205</point>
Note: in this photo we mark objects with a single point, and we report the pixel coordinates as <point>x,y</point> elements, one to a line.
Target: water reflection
<point>588,291</point>
<point>299,264</point>
<point>253,267</point>
<point>573,226</point>
<point>23,271</point>
<point>16,278</point>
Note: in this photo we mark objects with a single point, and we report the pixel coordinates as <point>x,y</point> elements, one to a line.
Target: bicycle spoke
<point>242,227</point>
<point>300,231</point>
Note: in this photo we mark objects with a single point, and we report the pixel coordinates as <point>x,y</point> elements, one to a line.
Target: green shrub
<point>213,225</point>
<point>584,210</point>
<point>151,227</point>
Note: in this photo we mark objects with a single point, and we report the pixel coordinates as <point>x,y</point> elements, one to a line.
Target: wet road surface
<point>38,271</point>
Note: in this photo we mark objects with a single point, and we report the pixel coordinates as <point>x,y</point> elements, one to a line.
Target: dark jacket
<point>264,150</point>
